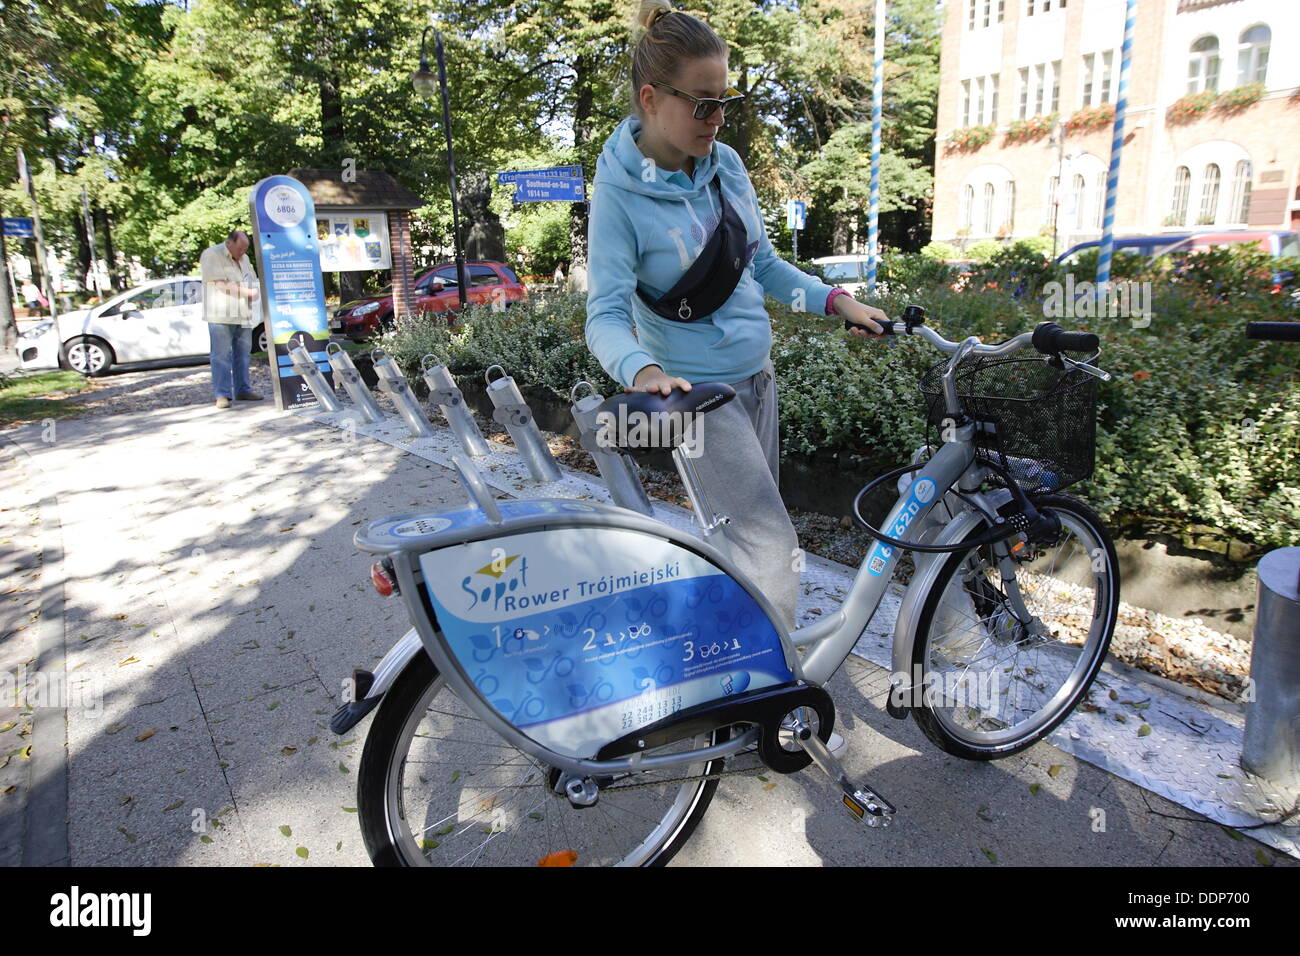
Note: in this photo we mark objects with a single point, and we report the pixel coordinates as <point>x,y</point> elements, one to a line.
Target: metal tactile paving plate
<point>1189,756</point>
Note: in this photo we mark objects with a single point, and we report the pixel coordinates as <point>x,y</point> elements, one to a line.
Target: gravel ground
<point>1183,650</point>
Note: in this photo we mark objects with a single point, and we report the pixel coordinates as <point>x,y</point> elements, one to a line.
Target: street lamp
<point>424,84</point>
<point>1058,140</point>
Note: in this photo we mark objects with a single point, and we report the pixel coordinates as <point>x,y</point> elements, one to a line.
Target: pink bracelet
<point>830,299</point>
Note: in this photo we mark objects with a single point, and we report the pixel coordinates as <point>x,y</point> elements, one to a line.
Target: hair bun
<point>652,11</point>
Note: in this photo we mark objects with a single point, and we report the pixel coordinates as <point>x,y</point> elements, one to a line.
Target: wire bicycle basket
<point>1034,420</point>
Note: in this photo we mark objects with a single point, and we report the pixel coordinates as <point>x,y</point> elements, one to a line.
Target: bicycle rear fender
<point>567,624</point>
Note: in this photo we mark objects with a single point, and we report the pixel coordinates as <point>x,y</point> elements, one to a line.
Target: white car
<point>847,272</point>
<point>158,320</point>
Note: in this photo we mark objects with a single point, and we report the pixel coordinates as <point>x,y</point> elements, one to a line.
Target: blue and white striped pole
<point>877,96</point>
<point>1116,145</point>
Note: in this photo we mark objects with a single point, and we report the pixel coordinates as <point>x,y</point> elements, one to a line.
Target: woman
<point>662,186</point>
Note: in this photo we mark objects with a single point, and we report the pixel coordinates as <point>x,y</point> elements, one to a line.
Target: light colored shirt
<point>221,304</point>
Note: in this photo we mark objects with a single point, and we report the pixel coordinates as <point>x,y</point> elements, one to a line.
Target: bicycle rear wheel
<point>993,686</point>
<point>437,787</point>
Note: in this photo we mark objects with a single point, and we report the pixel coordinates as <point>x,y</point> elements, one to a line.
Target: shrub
<point>941,250</point>
<point>983,249</point>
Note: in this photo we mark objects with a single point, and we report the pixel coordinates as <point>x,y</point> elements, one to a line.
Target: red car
<point>435,291</point>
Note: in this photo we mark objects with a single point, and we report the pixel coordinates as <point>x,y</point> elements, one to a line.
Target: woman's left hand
<point>866,317</point>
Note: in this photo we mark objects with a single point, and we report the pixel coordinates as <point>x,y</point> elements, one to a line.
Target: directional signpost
<point>19,228</point>
<point>557,184</point>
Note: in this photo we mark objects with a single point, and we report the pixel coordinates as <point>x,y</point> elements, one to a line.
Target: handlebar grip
<point>886,328</point>
<point>1049,338</point>
<point>1274,331</point>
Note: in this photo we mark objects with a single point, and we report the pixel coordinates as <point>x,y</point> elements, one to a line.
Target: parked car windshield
<point>841,270</point>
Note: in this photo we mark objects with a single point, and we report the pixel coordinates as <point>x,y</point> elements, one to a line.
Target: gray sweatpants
<point>738,469</point>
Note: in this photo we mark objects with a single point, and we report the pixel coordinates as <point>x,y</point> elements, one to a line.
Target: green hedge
<point>1199,431</point>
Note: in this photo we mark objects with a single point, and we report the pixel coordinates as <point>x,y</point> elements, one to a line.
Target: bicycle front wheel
<point>993,685</point>
<point>437,787</point>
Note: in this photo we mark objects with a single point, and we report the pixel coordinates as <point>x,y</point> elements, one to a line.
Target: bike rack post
<point>615,467</point>
<point>1271,748</point>
<point>395,387</point>
<point>444,393</point>
<point>347,372</point>
<point>306,366</point>
<point>512,412</point>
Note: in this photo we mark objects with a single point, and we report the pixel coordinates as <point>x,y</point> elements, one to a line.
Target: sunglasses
<point>704,105</point>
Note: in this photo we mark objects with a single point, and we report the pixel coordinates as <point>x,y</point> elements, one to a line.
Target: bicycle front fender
<point>924,578</point>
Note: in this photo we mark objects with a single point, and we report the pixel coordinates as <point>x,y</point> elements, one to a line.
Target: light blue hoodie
<point>652,232</point>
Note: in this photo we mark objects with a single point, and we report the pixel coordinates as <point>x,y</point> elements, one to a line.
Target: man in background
<point>229,288</point>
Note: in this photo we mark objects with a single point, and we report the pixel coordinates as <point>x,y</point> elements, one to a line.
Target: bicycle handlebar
<point>1274,331</point>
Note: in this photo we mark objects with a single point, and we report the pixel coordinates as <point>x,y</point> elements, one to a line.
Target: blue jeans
<point>230,345</point>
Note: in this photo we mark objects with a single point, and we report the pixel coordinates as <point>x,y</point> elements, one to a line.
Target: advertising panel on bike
<point>581,635</point>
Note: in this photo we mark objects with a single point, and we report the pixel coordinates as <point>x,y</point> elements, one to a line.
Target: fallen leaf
<point>1233,833</point>
<point>769,786</point>
<point>1054,769</point>
<point>1033,788</point>
<point>130,837</point>
<point>205,839</point>
<point>1144,730</point>
<point>4,728</point>
<point>1112,695</point>
<point>312,740</point>
<point>288,751</point>
<point>428,844</point>
<point>119,617</point>
<point>993,857</point>
<point>343,768</point>
<point>172,806</point>
<point>1263,858</point>
<point>129,660</point>
<point>560,858</point>
<point>289,528</point>
<point>349,809</point>
<point>146,735</point>
<point>301,851</point>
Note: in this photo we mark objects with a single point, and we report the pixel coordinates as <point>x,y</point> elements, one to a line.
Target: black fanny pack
<point>712,277</point>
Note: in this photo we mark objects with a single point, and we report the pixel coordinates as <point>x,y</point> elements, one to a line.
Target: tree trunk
<point>840,231</point>
<point>331,120</point>
<point>85,255</point>
<point>742,137</point>
<point>115,281</point>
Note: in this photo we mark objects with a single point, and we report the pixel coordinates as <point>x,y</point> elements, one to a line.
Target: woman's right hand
<point>652,378</point>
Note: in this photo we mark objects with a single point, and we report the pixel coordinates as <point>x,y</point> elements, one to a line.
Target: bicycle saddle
<point>640,422</point>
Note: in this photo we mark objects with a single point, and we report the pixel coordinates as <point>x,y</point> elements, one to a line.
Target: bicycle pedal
<point>869,807</point>
<point>863,802</point>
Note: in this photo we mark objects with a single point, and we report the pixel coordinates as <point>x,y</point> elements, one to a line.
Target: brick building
<point>1212,135</point>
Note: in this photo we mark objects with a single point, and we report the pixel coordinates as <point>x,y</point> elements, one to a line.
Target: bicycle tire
<point>548,826</point>
<point>1045,597</point>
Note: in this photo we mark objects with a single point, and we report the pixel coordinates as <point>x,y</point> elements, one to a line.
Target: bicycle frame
<point>830,639</point>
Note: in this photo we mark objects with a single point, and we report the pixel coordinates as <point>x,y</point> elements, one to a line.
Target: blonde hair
<point>670,38</point>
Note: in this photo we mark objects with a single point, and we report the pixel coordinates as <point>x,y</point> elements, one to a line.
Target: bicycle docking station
<point>347,372</point>
<point>395,386</point>
<point>444,393</point>
<point>616,467</point>
<point>511,411</point>
<point>306,367</point>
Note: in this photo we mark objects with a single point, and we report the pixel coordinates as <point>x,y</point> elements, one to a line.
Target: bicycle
<point>578,675</point>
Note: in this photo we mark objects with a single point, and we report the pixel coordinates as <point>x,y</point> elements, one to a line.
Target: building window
<point>1107,61</point>
<point>1182,190</point>
<point>1209,196</point>
<point>1002,7</point>
<point>967,207</point>
<point>1099,201</point>
<point>1024,92</point>
<point>1241,192</point>
<point>1009,207</point>
<point>1056,87</point>
<point>1089,61</point>
<point>993,100</point>
<point>978,83</point>
<point>1252,57</point>
<point>965,103</point>
<point>1040,87</point>
<point>988,8</point>
<point>1079,189</point>
<point>1203,69</point>
<point>988,207</point>
<point>1029,8</point>
<point>1053,186</point>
